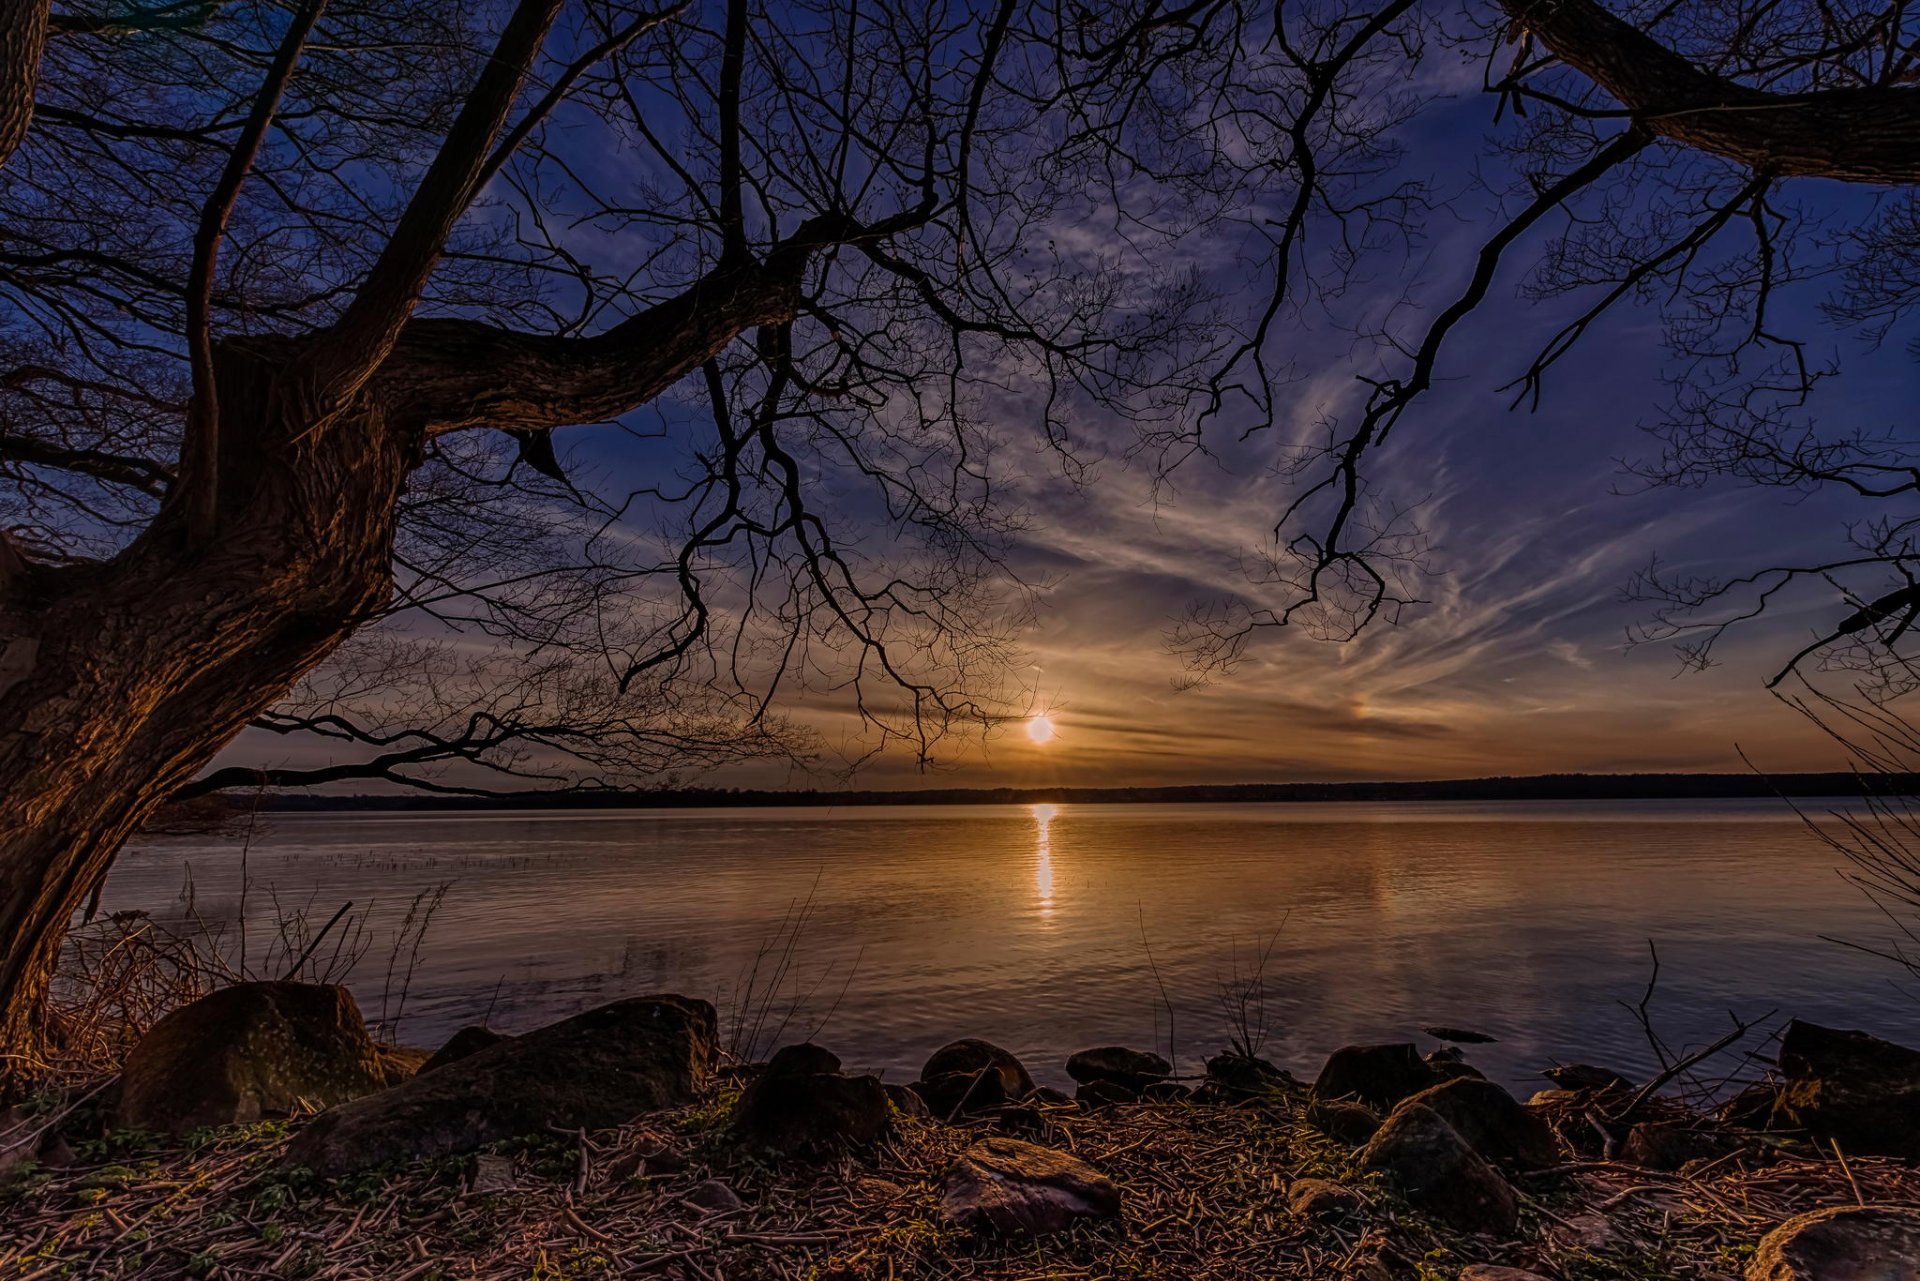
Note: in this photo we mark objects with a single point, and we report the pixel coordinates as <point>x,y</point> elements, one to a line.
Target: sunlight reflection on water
<point>1029,925</point>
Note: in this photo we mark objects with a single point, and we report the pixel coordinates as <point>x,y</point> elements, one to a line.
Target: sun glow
<point>1040,729</point>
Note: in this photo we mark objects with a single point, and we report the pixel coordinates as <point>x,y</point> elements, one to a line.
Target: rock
<point>1850,1087</point>
<point>715,1197</point>
<point>1166,1092</point>
<point>594,1070</point>
<point>1103,1094</point>
<point>1241,1076</point>
<point>468,1040</point>
<point>1006,1186</point>
<point>1458,1035</point>
<point>1450,1061</point>
<point>801,1106</point>
<point>1665,1145</point>
<point>1351,1123</point>
<point>54,1152</point>
<point>954,1094</point>
<point>1494,1272</point>
<point>803,1059</point>
<point>491,1174</point>
<point>1493,1122</point>
<point>1377,1075</point>
<point>1436,1170</point>
<point>1584,1076</point>
<point>1135,1069</point>
<point>247,1052</point>
<point>1047,1096</point>
<point>399,1063</point>
<point>1022,1119</point>
<point>1322,1199</point>
<point>906,1102</point>
<point>1751,1109</point>
<point>970,1056</point>
<point>1841,1243</point>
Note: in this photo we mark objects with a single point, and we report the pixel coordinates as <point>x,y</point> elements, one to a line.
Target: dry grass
<point>1204,1185</point>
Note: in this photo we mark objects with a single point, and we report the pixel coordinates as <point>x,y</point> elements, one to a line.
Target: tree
<point>296,295</point>
<point>1652,155</point>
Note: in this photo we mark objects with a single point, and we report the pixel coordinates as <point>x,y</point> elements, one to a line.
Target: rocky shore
<point>260,1132</point>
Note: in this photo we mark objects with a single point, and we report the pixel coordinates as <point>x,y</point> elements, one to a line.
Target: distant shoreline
<point>1538,787</point>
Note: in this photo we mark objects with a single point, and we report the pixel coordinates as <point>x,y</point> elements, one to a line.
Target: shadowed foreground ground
<point>1205,1186</point>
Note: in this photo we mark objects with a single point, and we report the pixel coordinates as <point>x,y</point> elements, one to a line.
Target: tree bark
<point>120,681</point>
<point>1865,135</point>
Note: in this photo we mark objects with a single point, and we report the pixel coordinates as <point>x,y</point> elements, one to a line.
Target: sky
<point>1517,664</point>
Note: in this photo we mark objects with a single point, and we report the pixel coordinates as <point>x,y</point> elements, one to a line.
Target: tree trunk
<point>121,681</point>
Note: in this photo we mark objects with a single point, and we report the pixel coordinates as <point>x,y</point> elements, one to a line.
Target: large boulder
<point>1378,1075</point>
<point>969,1055</point>
<point>1852,1087</point>
<point>1436,1170</point>
<point>468,1041</point>
<point>1494,1123</point>
<point>1011,1187</point>
<point>1841,1243</point>
<point>1134,1069</point>
<point>801,1106</point>
<point>970,1075</point>
<point>1234,1077</point>
<point>594,1070</point>
<point>248,1052</point>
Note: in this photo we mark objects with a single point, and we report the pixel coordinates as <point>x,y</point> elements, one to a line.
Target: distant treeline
<point>1537,787</point>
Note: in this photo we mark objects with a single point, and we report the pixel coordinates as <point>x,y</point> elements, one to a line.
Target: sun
<point>1040,729</point>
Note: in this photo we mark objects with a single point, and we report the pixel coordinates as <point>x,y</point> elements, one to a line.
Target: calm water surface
<point>1042,927</point>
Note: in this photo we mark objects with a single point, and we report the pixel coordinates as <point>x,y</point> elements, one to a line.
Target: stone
<point>1451,1063</point>
<point>1166,1092</point>
<point>468,1040</point>
<point>1242,1076</point>
<point>803,1059</point>
<point>715,1196</point>
<point>1378,1075</point>
<point>399,1063</point>
<point>801,1106</point>
<point>1135,1069</point>
<point>1022,1119</point>
<point>1665,1145</point>
<point>1104,1094</point>
<point>906,1102</point>
<point>1047,1096</point>
<point>1494,1272</point>
<point>1323,1199</point>
<point>1851,1087</point>
<point>1585,1076</point>
<point>970,1056</point>
<point>1494,1123</point>
<point>595,1070</point>
<point>1351,1123</point>
<point>1750,1109</point>
<point>491,1174</point>
<point>1458,1035</point>
<point>1439,1173</point>
<point>954,1094</point>
<point>1010,1187</point>
<point>1841,1243</point>
<point>246,1053</point>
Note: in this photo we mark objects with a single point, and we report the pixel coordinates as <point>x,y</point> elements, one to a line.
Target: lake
<point>1053,928</point>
